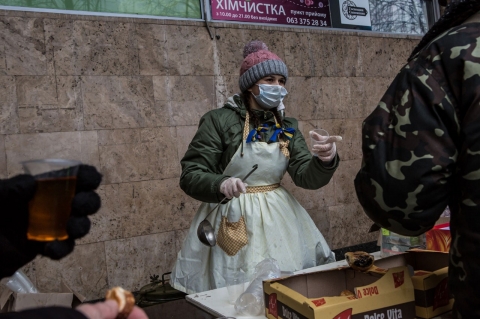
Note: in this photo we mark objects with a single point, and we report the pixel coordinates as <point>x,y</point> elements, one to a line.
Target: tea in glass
<point>50,207</point>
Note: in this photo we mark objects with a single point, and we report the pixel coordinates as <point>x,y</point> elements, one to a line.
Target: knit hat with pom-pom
<point>258,63</point>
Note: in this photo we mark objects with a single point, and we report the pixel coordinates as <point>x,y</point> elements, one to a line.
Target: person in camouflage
<point>421,148</point>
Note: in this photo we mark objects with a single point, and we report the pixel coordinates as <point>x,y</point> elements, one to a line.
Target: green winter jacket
<point>218,137</point>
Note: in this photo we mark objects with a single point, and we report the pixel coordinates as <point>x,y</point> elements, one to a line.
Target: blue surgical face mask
<point>270,96</point>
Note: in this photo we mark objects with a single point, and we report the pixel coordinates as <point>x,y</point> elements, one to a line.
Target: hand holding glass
<point>323,145</point>
<point>50,207</point>
<point>318,136</point>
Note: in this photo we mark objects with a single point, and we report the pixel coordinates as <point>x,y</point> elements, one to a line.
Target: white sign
<point>356,12</point>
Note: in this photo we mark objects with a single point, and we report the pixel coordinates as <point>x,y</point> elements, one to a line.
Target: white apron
<point>278,227</point>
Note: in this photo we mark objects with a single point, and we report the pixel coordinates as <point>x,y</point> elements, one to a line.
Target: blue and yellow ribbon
<point>286,132</point>
<point>254,134</point>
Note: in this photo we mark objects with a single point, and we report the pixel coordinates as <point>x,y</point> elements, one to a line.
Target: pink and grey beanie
<point>258,63</point>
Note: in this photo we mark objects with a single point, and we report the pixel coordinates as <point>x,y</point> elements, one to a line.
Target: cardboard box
<point>430,281</point>
<point>380,293</point>
<point>12,301</point>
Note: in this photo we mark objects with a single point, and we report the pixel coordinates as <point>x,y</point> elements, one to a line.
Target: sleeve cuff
<point>216,188</point>
<point>333,164</point>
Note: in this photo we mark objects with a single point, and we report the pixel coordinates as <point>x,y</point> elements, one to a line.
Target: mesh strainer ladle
<point>205,231</point>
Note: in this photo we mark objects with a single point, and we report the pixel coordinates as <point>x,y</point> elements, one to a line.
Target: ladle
<point>205,231</point>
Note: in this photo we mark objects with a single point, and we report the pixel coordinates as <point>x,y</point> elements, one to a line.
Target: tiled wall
<point>126,96</point>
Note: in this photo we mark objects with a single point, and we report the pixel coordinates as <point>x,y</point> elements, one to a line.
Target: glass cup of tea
<point>50,207</point>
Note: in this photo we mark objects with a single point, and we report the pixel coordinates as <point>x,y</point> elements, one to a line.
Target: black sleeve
<point>45,313</point>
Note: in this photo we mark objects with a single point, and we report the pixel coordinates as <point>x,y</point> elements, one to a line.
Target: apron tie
<point>262,189</point>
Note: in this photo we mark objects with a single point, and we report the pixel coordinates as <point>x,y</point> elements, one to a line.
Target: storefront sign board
<point>306,13</point>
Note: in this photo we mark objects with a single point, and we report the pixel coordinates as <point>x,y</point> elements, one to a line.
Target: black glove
<point>15,193</point>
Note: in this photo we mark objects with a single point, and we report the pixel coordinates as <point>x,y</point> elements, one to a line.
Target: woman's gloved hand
<point>15,193</point>
<point>327,149</point>
<point>233,187</point>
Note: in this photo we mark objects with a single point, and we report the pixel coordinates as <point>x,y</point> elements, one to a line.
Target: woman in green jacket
<point>250,129</point>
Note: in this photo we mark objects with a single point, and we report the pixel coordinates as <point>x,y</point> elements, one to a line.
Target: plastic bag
<point>19,283</point>
<point>251,302</point>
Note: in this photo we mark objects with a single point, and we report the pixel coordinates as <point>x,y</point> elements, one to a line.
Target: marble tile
<point>374,57</point>
<point>351,146</point>
<point>84,271</point>
<point>225,87</point>
<point>119,102</point>
<point>334,98</point>
<point>3,63</point>
<point>406,48</point>
<point>185,135</point>
<point>9,122</point>
<point>152,49</point>
<point>106,48</point>
<point>118,137</point>
<point>349,226</point>
<point>274,40</point>
<point>187,98</point>
<point>189,50</point>
<point>141,208</point>
<point>306,126</point>
<point>61,45</point>
<point>357,102</point>
<point>325,57</point>
<point>69,92</point>
<point>3,158</point>
<point>48,104</point>
<point>38,120</point>
<point>343,178</point>
<point>162,96</point>
<point>130,262</point>
<point>81,146</point>
<point>400,50</point>
<point>174,50</point>
<point>153,156</point>
<point>392,52</point>
<point>93,47</point>
<point>24,46</point>
<point>229,49</point>
<point>348,58</point>
<point>36,90</point>
<point>298,54</point>
<point>302,100</point>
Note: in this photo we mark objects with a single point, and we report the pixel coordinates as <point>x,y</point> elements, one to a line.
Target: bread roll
<point>359,260</point>
<point>124,299</point>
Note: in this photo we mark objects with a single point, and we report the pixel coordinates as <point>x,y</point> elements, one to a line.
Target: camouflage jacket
<point>421,151</point>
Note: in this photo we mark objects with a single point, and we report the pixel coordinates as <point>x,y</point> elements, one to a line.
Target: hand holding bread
<point>124,299</point>
<point>119,304</point>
